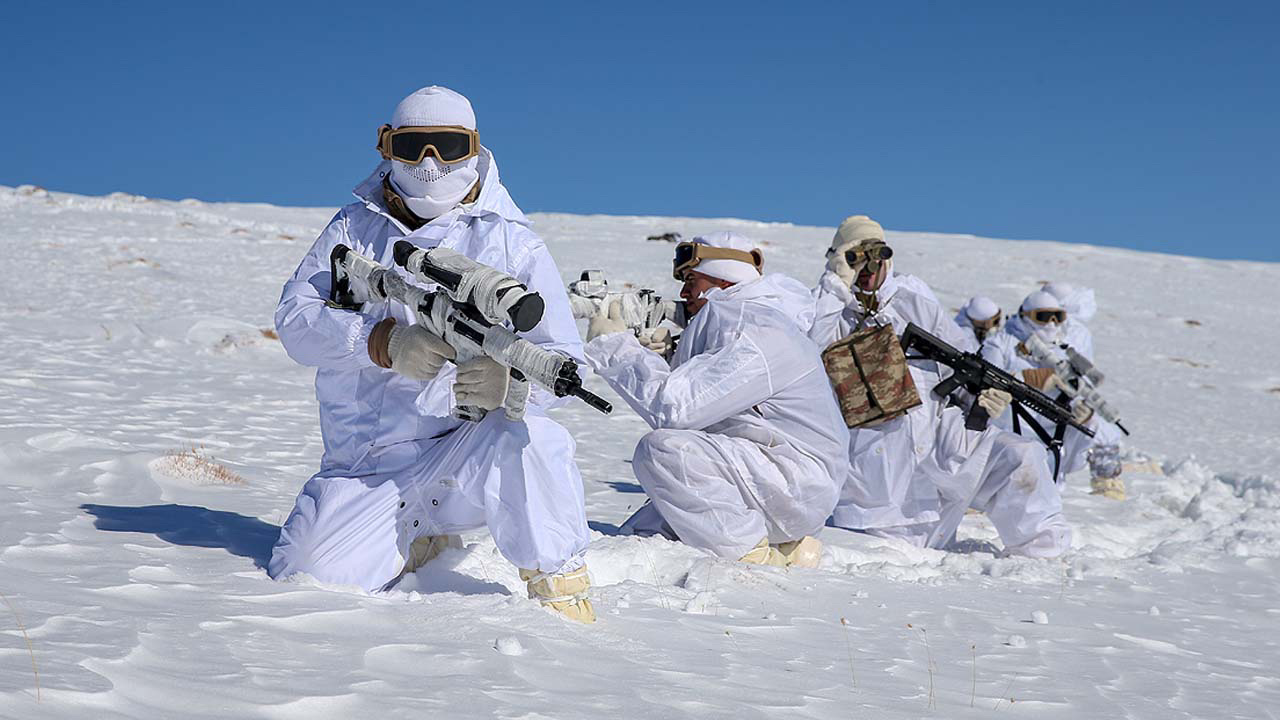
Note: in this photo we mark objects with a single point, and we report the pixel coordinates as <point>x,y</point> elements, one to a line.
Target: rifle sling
<point>1054,442</point>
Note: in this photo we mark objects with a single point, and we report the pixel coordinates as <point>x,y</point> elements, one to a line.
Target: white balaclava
<point>431,188</point>
<point>734,271</point>
<point>1040,300</point>
<point>854,231</point>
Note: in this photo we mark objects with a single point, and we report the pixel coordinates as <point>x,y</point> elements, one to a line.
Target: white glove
<point>658,340</point>
<point>607,321</point>
<point>1081,413</point>
<point>417,353</point>
<point>994,401</point>
<point>838,265</point>
<point>481,383</point>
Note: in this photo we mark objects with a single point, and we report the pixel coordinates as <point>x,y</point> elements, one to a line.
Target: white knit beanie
<point>857,229</point>
<point>434,105</point>
<point>734,271</point>
<point>1040,300</point>
<point>981,308</point>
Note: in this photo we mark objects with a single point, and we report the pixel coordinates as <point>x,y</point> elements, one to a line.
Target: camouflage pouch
<point>869,373</point>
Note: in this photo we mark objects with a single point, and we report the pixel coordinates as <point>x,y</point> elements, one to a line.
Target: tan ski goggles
<point>1046,315</point>
<point>989,323</point>
<point>690,255</point>
<point>449,144</point>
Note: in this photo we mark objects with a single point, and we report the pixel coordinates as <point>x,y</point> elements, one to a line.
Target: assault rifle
<point>641,309</point>
<point>974,374</point>
<point>467,313</point>
<point>1077,377</point>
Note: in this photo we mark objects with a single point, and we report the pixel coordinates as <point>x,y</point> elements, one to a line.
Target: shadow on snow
<point>193,526</point>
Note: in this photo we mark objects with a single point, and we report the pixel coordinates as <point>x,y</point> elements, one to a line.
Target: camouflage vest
<point>869,373</point>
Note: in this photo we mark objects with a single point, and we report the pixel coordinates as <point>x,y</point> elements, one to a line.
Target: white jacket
<point>364,408</point>
<point>744,369</point>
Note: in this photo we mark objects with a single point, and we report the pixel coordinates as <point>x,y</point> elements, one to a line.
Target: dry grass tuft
<point>269,333</point>
<point>924,634</point>
<point>130,261</point>
<point>848,644</point>
<point>30,651</point>
<point>195,465</point>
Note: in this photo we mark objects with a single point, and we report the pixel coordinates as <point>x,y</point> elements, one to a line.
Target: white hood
<point>776,291</point>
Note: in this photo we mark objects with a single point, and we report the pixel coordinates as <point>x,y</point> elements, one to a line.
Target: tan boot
<point>764,554</point>
<point>566,593</point>
<point>426,548</point>
<point>1112,488</point>
<point>805,552</point>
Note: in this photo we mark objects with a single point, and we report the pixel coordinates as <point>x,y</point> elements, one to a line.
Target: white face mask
<point>430,189</point>
<point>1049,332</point>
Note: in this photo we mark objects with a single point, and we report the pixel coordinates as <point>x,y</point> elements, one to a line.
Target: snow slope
<point>153,436</point>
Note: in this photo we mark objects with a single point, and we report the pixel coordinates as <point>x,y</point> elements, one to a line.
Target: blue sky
<point>1144,125</point>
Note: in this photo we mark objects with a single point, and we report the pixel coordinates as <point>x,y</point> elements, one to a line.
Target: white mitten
<point>607,321</point>
<point>994,401</point>
<point>658,340</point>
<point>416,352</point>
<point>481,383</point>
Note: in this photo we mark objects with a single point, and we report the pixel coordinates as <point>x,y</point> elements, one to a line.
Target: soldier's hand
<point>1081,413</point>
<point>658,340</point>
<point>481,383</point>
<point>994,401</point>
<point>837,264</point>
<point>607,321</point>
<point>1041,379</point>
<point>411,350</point>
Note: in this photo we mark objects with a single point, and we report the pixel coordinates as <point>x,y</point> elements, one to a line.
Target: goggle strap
<point>706,252</point>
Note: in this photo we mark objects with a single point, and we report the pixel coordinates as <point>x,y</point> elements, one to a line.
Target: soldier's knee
<point>657,449</point>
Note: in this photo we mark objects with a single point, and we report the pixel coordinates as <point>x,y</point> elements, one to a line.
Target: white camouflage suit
<point>748,441</point>
<point>914,476</point>
<point>1001,349</point>
<point>396,465</point>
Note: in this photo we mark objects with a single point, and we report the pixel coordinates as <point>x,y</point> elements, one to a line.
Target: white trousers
<point>1011,484</point>
<point>998,473</point>
<point>718,493</point>
<point>516,478</point>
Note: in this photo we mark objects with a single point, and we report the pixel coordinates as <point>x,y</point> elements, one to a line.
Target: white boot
<point>426,548</point>
<point>805,552</point>
<point>1111,488</point>
<point>566,593</point>
<point>764,554</point>
<point>1105,469</point>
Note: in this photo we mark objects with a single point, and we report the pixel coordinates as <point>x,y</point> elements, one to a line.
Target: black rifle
<point>974,374</point>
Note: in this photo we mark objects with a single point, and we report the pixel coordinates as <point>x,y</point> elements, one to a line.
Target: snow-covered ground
<point>153,435</point>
